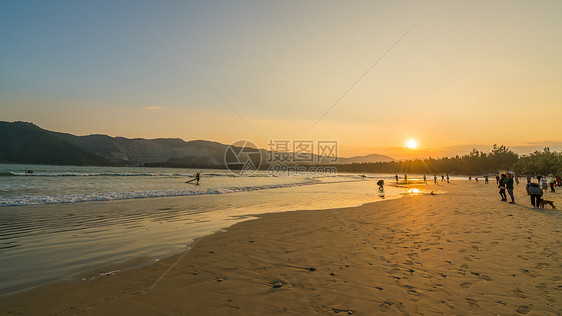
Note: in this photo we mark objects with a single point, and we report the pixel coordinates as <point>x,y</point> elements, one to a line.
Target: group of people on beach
<point>443,177</point>
<point>534,190</point>
<point>506,183</point>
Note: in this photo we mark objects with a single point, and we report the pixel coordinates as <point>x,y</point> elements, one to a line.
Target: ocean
<point>60,222</point>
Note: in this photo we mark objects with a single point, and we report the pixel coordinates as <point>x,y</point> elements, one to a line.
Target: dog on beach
<point>543,203</point>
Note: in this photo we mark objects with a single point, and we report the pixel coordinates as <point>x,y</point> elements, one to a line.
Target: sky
<point>371,75</point>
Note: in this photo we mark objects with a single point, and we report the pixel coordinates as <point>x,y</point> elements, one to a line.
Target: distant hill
<point>367,158</point>
<point>170,152</point>
<point>28,144</point>
<point>22,142</point>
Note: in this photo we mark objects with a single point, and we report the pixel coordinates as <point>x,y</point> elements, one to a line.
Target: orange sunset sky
<point>451,75</point>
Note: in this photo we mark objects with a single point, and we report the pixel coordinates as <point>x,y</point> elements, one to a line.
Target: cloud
<point>154,107</point>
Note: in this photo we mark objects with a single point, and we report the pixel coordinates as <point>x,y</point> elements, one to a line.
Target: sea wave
<point>118,174</point>
<point>72,198</point>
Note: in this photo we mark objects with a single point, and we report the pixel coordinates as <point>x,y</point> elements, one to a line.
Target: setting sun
<point>411,144</point>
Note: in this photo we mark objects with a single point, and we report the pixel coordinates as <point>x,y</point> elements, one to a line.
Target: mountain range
<point>22,142</point>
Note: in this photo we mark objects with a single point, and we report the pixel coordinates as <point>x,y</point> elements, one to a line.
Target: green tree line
<point>540,163</point>
<point>474,163</point>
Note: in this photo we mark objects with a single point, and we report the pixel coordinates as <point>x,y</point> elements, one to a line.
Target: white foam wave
<point>72,198</point>
<point>120,174</point>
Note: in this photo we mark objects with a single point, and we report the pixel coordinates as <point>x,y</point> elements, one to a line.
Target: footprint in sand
<point>466,285</point>
<point>523,309</point>
<point>339,310</point>
<point>446,304</point>
<point>411,291</point>
<point>541,286</point>
<point>274,284</point>
<point>472,303</point>
<point>385,307</point>
<point>542,265</point>
<point>485,277</point>
<point>519,293</point>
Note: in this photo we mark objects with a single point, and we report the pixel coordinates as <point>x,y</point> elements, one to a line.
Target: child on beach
<point>544,183</point>
<point>502,188</point>
<point>551,182</point>
<point>509,187</point>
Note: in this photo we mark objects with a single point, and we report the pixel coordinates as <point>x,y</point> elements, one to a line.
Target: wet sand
<point>462,252</point>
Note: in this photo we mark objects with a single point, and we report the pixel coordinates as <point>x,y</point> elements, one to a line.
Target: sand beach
<point>462,252</point>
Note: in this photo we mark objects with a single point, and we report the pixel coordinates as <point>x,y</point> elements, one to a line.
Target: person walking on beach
<point>509,187</point>
<point>396,176</point>
<point>551,181</point>
<point>534,190</point>
<point>517,180</point>
<point>544,184</point>
<point>443,178</point>
<point>502,188</point>
<point>197,177</point>
<point>435,179</point>
<point>424,179</point>
<point>497,179</point>
<point>447,178</point>
<point>486,179</point>
<point>469,178</point>
<point>405,178</point>
<point>559,180</point>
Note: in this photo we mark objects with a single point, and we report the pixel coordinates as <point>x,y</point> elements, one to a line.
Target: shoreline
<point>115,231</point>
<point>268,259</point>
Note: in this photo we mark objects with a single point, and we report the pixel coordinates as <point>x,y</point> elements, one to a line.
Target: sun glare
<point>411,144</point>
